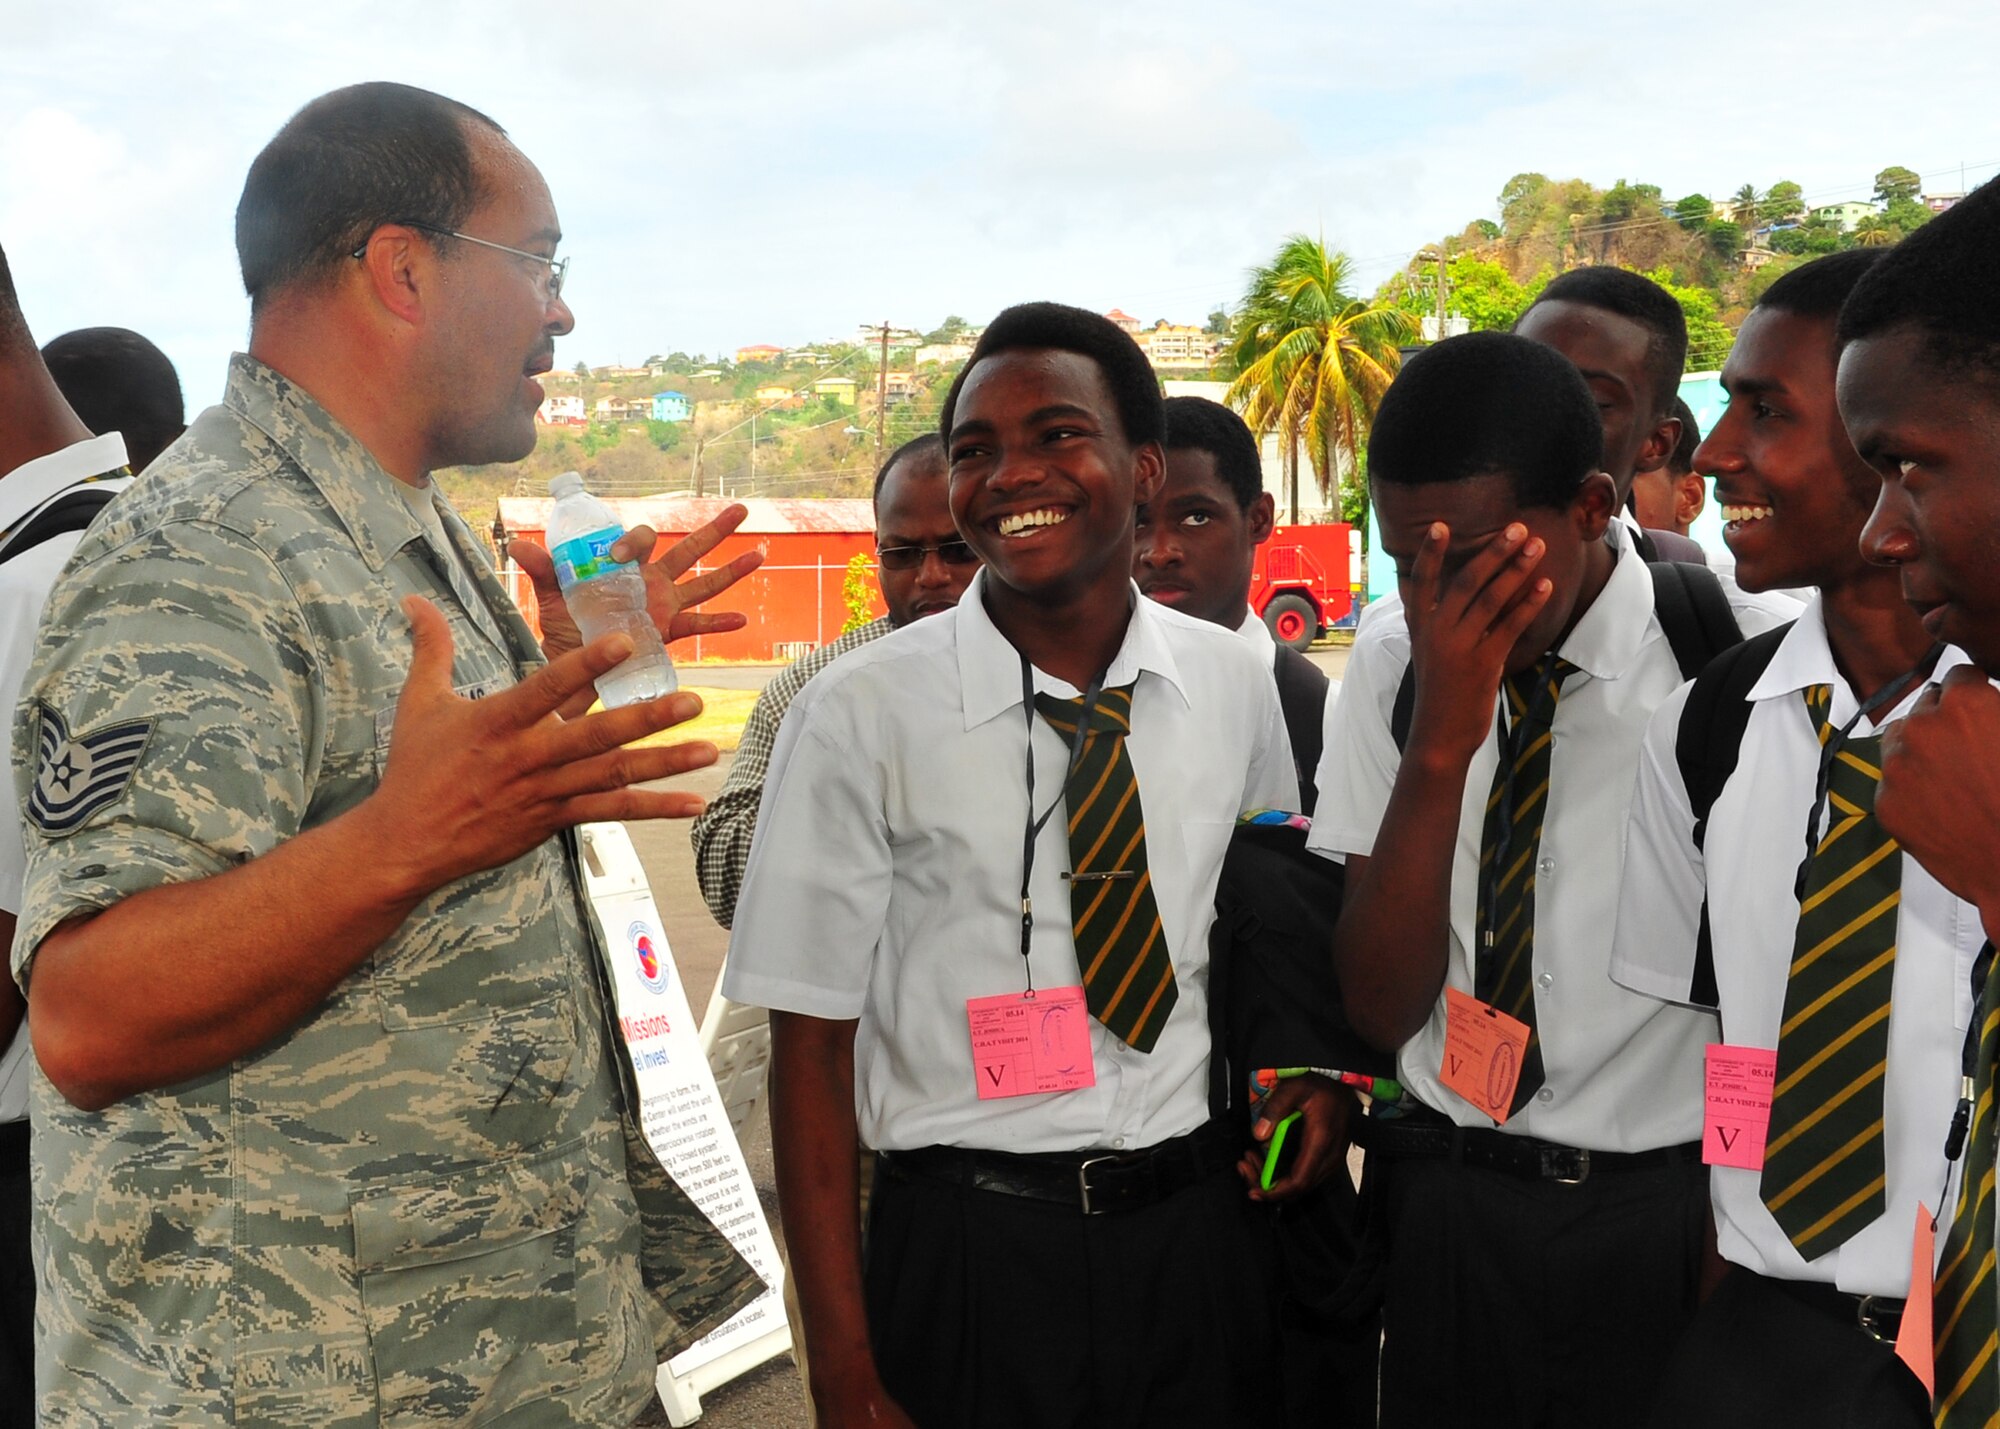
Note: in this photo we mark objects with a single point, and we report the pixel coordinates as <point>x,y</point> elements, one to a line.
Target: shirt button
<point>1117,1143</point>
<point>1545,1095</point>
<point>1545,981</point>
<point>1545,868</point>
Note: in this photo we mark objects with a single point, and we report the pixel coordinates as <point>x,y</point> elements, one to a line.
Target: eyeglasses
<point>908,558</point>
<point>558,267</point>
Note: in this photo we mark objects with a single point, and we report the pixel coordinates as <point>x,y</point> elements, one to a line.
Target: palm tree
<point>1312,360</point>
<point>1875,231</point>
<point>1743,205</point>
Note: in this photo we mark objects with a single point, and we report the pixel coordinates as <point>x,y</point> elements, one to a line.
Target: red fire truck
<point>1302,582</point>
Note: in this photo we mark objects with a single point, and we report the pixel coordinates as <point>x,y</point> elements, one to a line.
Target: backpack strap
<point>1405,708</point>
<point>1694,612</point>
<point>1302,689</point>
<point>70,510</point>
<point>1706,747</point>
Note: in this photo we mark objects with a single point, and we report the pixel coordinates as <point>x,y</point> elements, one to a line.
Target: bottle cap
<point>568,484</point>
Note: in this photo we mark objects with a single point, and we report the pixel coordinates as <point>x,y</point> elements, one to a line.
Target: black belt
<point>1423,1133</point>
<point>1878,1316</point>
<point>1092,1181</point>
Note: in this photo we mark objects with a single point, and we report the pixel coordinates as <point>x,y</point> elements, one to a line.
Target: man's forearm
<point>179,980</point>
<point>1391,945</point>
<point>817,1151</point>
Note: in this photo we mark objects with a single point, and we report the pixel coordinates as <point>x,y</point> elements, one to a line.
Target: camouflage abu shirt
<point>428,1203</point>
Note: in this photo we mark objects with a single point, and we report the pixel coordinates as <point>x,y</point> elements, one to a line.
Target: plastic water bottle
<point>606,595</point>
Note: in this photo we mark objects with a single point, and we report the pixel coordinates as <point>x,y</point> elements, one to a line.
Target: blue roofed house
<point>672,407</point>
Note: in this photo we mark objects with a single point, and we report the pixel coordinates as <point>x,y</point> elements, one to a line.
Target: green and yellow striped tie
<point>1128,978</point>
<point>1823,1164</point>
<point>1510,844</point>
<point>1962,1300</point>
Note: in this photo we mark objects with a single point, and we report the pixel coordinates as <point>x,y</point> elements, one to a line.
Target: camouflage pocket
<point>468,1288</point>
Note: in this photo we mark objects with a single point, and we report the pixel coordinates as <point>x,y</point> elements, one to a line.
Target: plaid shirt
<point>722,834</point>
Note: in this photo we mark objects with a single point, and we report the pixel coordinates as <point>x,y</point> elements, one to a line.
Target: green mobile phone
<point>1278,1156</point>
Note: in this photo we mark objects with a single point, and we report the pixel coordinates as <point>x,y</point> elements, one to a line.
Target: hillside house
<point>758,352</point>
<point>672,407</point>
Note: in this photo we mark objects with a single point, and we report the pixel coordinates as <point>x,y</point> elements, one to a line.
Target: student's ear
<point>1658,446</point>
<point>1149,469</point>
<point>1263,517</point>
<point>1595,506</point>
<point>1690,497</point>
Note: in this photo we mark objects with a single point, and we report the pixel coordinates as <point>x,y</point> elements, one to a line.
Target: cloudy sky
<point>783,171</point>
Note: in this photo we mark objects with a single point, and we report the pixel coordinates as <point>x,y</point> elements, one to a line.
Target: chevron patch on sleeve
<point>76,775</point>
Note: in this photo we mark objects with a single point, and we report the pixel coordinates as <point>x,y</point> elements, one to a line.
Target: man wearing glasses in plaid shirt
<point>925,566</point>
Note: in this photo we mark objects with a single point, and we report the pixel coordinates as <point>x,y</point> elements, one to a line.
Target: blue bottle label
<point>583,558</point>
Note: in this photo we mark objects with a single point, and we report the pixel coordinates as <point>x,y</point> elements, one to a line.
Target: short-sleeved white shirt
<point>885,877</point>
<point>1754,841</point>
<point>25,582</point>
<point>1620,1068</point>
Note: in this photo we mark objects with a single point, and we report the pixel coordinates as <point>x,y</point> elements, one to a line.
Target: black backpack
<point>1706,748</point>
<point>72,509</point>
<point>1694,612</point>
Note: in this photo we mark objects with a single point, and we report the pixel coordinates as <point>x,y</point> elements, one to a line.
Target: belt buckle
<point>1083,1182</point>
<point>1566,1165</point>
<point>1864,1316</point>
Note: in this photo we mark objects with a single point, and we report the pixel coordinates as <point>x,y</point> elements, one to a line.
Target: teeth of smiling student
<point>1745,513</point>
<point>1023,520</point>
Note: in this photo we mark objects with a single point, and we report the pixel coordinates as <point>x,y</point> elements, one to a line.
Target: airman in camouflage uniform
<point>428,1201</point>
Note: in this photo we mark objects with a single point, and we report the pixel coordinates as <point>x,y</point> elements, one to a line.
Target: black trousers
<point>1512,1302</point>
<point>17,1280</point>
<point>1757,1358</point>
<point>1004,1313</point>
<point>1327,1352</point>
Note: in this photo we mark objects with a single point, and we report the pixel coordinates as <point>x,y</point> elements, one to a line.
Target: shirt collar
<point>33,482</point>
<point>1606,641</point>
<point>333,459</point>
<point>1804,658</point>
<point>1258,635</point>
<point>989,667</point>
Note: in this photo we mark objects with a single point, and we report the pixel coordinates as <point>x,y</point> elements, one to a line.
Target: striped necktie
<point>1128,979</point>
<point>1962,1300</point>
<point>1823,1164</point>
<point>1509,846</point>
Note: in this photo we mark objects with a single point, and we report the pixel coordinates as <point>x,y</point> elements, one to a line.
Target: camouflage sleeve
<point>167,727</point>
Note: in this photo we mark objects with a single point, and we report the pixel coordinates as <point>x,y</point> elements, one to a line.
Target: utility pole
<point>881,395</point>
<point>1441,281</point>
<point>700,442</point>
<point>753,446</point>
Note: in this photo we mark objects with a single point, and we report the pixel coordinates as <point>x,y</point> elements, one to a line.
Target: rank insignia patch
<point>76,775</point>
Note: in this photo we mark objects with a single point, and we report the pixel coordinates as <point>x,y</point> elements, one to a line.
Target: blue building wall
<point>672,407</point>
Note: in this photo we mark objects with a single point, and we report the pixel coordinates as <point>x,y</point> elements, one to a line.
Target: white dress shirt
<point>1755,839</point>
<point>25,582</point>
<point>1623,1071</point>
<point>1258,635</point>
<point>885,878</point>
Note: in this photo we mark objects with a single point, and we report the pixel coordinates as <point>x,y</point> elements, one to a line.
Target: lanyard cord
<point>1830,751</point>
<point>1034,826</point>
<point>1968,1071</point>
<point>1513,740</point>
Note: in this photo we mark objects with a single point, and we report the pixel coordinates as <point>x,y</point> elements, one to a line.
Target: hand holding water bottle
<point>669,601</point>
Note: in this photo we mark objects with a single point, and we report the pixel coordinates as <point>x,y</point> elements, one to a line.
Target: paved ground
<point>770,1398</point>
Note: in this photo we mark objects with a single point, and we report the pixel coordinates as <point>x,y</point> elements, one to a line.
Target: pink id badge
<point>1025,1043</point>
<point>1736,1104</point>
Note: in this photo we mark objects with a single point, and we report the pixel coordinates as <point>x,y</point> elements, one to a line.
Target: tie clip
<point>1098,877</point>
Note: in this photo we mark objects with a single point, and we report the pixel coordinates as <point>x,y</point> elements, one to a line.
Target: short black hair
<point>1484,404</point>
<point>1199,425</point>
<point>1943,279</point>
<point>930,444</point>
<point>1819,288</point>
<point>343,166</point>
<point>1058,327</point>
<point>117,381</point>
<point>1680,461</point>
<point>1635,296</point>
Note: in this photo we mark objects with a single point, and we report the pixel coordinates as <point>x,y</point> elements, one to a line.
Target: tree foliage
<point>1312,359</point>
<point>1897,182</point>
